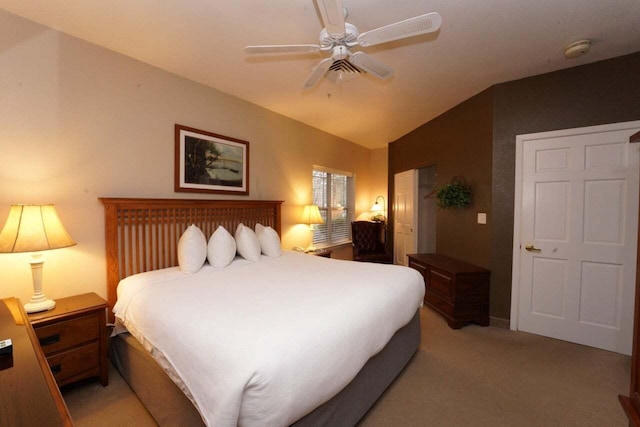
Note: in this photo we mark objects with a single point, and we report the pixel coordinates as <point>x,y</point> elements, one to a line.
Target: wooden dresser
<point>28,393</point>
<point>457,290</point>
<point>73,337</point>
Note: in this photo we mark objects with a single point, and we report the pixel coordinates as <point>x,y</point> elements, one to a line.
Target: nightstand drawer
<point>81,362</point>
<point>67,334</point>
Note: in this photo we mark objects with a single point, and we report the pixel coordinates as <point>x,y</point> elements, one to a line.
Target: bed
<point>141,241</point>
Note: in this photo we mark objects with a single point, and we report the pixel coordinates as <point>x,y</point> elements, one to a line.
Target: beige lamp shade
<point>311,215</point>
<point>31,228</point>
<point>377,207</point>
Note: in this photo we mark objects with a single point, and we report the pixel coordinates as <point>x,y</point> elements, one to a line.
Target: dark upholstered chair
<point>368,244</point>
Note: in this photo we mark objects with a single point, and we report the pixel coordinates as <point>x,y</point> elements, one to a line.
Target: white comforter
<point>265,343</point>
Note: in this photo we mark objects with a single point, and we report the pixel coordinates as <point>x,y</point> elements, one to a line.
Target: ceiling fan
<point>339,37</point>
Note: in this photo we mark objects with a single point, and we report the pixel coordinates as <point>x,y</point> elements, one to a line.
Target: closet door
<point>578,244</point>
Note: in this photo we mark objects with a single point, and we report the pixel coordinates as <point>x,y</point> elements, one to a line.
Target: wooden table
<point>28,392</point>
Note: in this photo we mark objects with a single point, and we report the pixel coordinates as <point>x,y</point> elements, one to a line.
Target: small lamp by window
<point>34,228</point>
<point>311,216</point>
<point>378,210</point>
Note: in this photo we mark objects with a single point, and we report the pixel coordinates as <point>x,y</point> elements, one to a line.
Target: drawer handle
<point>55,369</point>
<point>51,339</point>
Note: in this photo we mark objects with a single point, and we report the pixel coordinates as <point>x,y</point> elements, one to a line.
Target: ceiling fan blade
<point>408,28</point>
<point>283,48</point>
<point>333,16</point>
<point>317,73</point>
<point>370,65</point>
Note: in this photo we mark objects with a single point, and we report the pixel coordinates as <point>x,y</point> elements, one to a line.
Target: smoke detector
<point>576,49</point>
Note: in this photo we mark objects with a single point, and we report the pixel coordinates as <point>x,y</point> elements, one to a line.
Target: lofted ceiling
<point>480,43</point>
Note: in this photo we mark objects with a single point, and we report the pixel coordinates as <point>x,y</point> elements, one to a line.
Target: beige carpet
<point>473,376</point>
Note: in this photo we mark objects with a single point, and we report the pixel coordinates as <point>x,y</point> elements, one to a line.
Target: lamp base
<point>39,301</point>
<point>35,306</point>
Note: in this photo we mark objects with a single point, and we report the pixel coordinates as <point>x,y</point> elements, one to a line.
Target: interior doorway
<point>405,215</point>
<point>427,207</point>
<point>414,210</point>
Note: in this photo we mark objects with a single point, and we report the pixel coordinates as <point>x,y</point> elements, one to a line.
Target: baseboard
<point>499,322</point>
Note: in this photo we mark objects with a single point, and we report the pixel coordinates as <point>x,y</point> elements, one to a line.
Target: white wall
<point>78,122</point>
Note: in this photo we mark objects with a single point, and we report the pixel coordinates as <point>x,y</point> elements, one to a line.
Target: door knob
<point>532,248</point>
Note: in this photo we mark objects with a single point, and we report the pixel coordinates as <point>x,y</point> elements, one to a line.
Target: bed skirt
<point>170,407</point>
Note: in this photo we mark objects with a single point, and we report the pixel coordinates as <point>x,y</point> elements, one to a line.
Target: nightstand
<point>325,253</point>
<point>73,337</point>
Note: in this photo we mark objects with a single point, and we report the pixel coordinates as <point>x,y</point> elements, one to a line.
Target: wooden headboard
<point>142,234</point>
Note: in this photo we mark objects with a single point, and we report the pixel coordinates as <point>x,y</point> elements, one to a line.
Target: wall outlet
<point>482,218</point>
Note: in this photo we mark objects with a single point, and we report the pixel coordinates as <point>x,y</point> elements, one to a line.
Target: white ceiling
<point>480,43</point>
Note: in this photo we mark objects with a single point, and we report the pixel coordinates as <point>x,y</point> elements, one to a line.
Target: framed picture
<point>206,162</point>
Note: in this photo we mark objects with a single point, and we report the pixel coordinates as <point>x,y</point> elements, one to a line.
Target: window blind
<point>333,193</point>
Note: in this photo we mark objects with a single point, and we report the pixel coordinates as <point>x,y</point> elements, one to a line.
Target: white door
<point>578,236</point>
<point>405,215</point>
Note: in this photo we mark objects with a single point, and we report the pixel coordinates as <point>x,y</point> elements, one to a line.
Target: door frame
<point>517,208</point>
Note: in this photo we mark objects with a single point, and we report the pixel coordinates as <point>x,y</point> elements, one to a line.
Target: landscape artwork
<point>210,163</point>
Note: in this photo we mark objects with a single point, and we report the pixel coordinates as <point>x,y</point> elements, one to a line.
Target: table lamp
<point>311,216</point>
<point>34,228</point>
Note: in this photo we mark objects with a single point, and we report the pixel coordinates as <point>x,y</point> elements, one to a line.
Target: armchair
<point>368,244</point>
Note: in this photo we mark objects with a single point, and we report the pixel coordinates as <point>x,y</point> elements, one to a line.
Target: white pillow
<point>192,250</point>
<point>269,241</point>
<point>221,249</point>
<point>247,242</point>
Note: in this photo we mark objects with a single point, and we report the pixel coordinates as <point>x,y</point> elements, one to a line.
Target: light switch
<point>482,218</point>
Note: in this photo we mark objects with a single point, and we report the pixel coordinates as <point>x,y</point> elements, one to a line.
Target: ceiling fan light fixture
<point>340,52</point>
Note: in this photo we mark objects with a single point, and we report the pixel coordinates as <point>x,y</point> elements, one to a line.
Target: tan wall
<point>379,168</point>
<point>78,122</point>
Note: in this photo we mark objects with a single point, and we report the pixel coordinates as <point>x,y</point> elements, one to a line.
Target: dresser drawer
<point>422,269</point>
<point>67,334</point>
<point>436,302</point>
<point>80,360</point>
<point>440,283</point>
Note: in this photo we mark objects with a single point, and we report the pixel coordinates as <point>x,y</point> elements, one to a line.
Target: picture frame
<point>206,162</point>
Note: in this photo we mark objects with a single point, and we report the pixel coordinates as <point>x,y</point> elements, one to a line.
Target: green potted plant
<point>456,194</point>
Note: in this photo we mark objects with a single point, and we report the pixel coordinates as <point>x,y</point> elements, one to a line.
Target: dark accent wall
<point>598,93</point>
<point>459,143</point>
<point>477,139</point>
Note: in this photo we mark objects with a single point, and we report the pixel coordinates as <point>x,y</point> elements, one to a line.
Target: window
<point>333,192</point>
